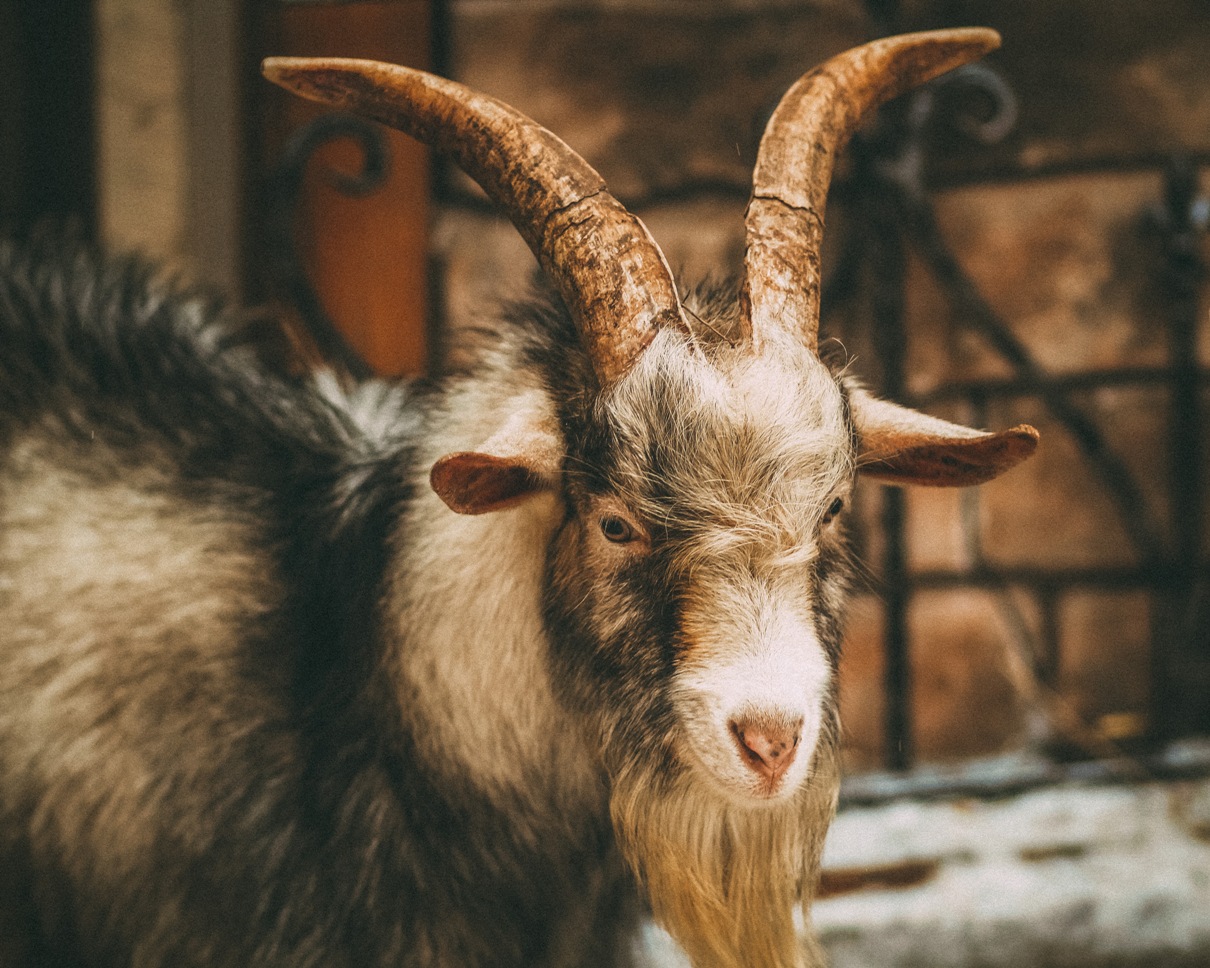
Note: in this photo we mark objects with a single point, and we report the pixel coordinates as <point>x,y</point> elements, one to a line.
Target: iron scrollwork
<point>287,267</point>
<point>887,194</point>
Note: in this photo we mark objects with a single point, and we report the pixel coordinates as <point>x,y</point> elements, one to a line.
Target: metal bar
<point>285,190</point>
<point>1048,654</point>
<point>888,268</point>
<point>1133,510</point>
<point>1184,272</point>
<point>1127,576</point>
<point>1175,653</point>
<point>900,747</point>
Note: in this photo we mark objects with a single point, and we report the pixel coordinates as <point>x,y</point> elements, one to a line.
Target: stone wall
<point>668,101</point>
<point>669,96</point>
<point>169,152</point>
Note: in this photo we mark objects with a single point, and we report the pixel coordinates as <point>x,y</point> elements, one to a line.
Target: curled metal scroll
<point>287,268</point>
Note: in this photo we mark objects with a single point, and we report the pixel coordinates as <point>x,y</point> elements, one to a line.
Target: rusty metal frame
<point>893,216</point>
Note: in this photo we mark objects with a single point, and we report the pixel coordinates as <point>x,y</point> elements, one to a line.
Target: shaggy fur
<point>265,700</point>
<point>734,461</point>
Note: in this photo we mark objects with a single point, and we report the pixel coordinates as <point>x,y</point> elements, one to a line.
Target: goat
<point>470,673</point>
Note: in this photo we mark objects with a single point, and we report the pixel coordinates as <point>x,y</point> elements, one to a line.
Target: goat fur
<point>266,699</point>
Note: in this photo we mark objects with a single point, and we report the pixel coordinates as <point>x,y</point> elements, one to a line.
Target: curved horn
<point>813,122</point>
<point>610,272</point>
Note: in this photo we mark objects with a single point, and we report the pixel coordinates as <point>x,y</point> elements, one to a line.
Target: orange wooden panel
<point>366,256</point>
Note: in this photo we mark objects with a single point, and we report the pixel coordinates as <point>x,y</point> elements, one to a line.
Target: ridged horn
<point>611,274</point>
<point>813,122</point>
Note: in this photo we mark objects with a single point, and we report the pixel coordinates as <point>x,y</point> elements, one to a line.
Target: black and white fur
<point>266,700</point>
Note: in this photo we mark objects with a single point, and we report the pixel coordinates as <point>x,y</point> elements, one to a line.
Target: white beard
<point>725,880</point>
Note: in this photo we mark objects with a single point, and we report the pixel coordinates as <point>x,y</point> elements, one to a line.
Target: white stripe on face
<point>751,477</point>
<point>750,686</point>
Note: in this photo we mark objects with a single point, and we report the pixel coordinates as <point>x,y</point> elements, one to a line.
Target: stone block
<point>1105,657</point>
<point>658,97</point>
<point>1063,261</point>
<point>483,259</point>
<point>1052,512</point>
<point>862,695</point>
<point>937,539</point>
<point>701,237</point>
<point>963,700</point>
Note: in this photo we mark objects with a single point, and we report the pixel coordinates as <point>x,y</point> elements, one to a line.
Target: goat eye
<point>833,509</point>
<point>617,530</point>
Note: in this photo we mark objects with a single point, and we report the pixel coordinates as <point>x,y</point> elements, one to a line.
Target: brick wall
<point>668,100</point>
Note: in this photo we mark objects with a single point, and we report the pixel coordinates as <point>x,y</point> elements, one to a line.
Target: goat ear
<point>903,446</point>
<point>522,459</point>
<point>473,483</point>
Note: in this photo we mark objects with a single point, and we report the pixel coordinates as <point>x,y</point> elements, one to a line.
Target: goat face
<point>703,564</point>
<point>693,601</point>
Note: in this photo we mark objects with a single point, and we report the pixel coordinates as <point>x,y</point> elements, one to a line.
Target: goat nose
<point>768,746</point>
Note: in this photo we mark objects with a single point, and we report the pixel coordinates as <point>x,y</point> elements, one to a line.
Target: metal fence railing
<point>892,219</point>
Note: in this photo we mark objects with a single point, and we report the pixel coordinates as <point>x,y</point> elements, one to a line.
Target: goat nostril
<point>768,746</point>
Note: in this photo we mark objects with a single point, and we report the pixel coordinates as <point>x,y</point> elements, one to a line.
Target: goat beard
<point>723,879</point>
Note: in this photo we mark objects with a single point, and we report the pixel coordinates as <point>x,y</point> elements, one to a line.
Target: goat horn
<point>611,274</point>
<point>813,122</point>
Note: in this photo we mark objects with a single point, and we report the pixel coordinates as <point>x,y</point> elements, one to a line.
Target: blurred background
<point>1026,687</point>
